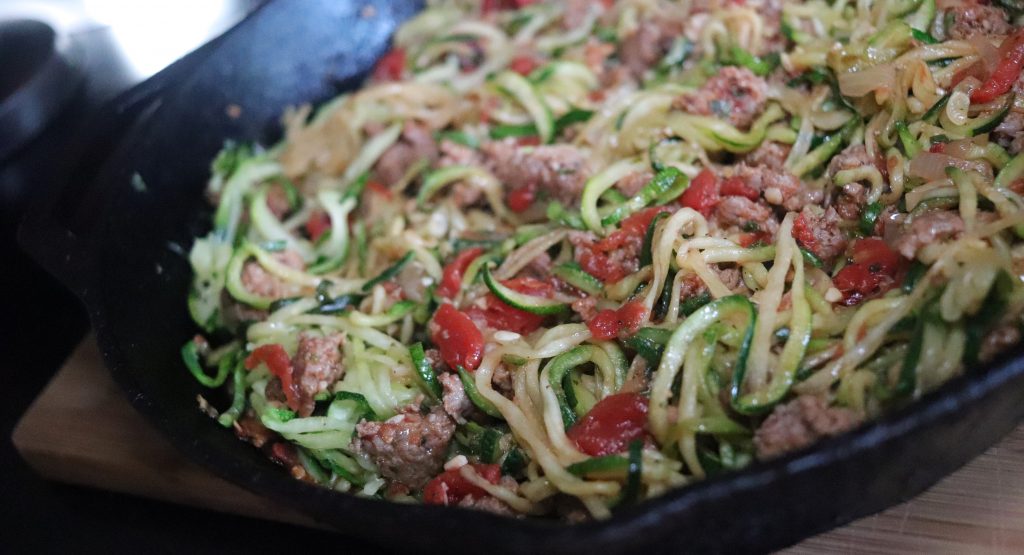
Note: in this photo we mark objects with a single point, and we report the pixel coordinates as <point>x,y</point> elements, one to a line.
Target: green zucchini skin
<point>608,467</point>
<point>424,371</point>
<point>573,274</point>
<point>469,385</point>
<point>824,152</point>
<point>528,303</point>
<point>649,343</point>
<point>389,272</point>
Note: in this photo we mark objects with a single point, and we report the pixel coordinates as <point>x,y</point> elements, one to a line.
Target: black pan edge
<point>135,302</point>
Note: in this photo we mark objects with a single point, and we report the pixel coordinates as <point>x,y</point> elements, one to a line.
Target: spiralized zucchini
<point>555,258</point>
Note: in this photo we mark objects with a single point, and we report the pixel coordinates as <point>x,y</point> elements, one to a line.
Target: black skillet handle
<point>58,226</point>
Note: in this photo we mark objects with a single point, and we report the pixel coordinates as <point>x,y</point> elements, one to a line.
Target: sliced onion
<point>411,281</point>
<point>791,99</point>
<point>962,148</point>
<point>860,83</point>
<point>988,52</point>
<point>932,166</point>
<point>519,258</point>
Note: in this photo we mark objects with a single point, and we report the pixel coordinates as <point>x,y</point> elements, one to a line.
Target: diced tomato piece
<point>1011,62</point>
<point>521,199</point>
<point>501,316</point>
<point>379,188</point>
<point>523,65</point>
<point>280,365</point>
<point>857,283</point>
<point>631,315</point>
<point>450,487</point>
<point>636,224</point>
<point>599,265</point>
<point>530,286</point>
<point>317,224</point>
<point>451,276</point>
<point>614,241</point>
<point>457,337</point>
<point>875,269</point>
<point>528,140</point>
<point>607,324</point>
<point>613,423</point>
<point>596,258</point>
<point>873,250</point>
<point>632,229</point>
<point>937,148</point>
<point>803,232</point>
<point>702,194</point>
<point>390,66</point>
<point>750,239</point>
<point>604,324</point>
<point>1017,186</point>
<point>736,187</point>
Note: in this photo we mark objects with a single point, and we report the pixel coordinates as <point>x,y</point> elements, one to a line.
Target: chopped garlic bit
<point>505,336</point>
<point>833,295</point>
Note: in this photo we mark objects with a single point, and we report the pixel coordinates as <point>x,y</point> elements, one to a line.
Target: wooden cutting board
<point>81,430</point>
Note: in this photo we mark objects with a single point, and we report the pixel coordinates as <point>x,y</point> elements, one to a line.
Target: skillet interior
<point>134,279</point>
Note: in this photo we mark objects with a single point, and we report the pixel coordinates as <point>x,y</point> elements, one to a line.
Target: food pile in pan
<point>559,257</point>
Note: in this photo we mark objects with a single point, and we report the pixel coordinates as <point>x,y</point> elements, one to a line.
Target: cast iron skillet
<point>120,248</point>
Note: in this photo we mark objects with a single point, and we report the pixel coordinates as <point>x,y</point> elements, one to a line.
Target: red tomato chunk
<point>523,65</point>
<point>613,423</point>
<point>378,188</point>
<point>318,224</point>
<point>803,232</point>
<point>875,269</point>
<point>702,194</point>
<point>608,323</point>
<point>280,365</point>
<point>521,199</point>
<point>457,337</point>
<point>390,66</point>
<point>1011,62</point>
<point>451,277</point>
<point>736,187</point>
<point>597,259</point>
<point>450,487</point>
<point>501,316</point>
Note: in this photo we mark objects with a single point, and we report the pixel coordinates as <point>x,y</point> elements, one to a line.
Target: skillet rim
<point>930,411</point>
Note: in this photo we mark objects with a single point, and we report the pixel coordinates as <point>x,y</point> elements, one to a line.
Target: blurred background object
<point>60,61</point>
<point>37,80</point>
<point>106,46</point>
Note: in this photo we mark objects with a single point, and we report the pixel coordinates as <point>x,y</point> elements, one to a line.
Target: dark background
<point>41,325</point>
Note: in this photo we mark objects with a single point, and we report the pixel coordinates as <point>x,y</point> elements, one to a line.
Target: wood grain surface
<point>81,430</point>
